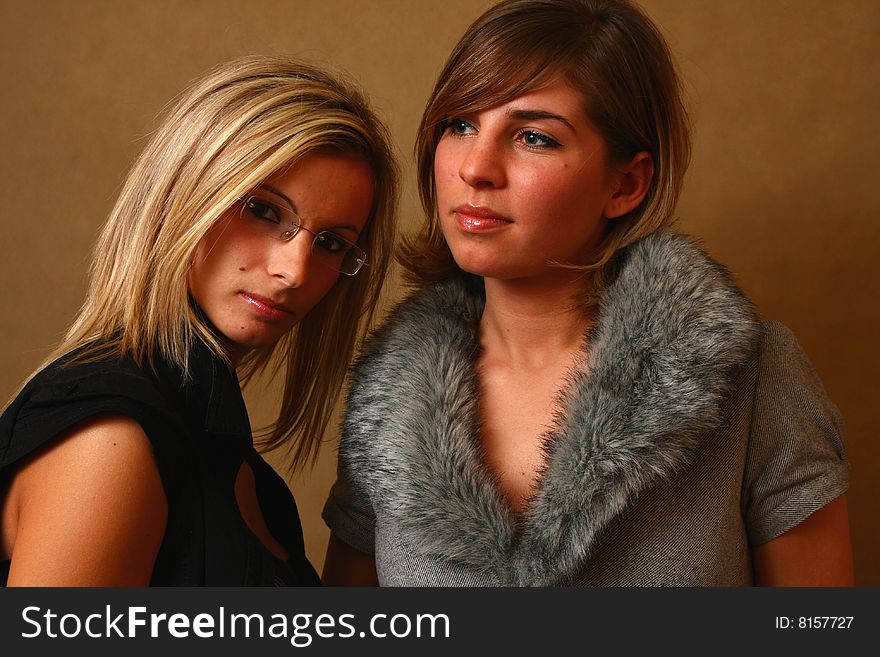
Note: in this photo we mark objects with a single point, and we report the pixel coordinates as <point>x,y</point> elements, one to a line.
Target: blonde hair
<point>233,128</point>
<point>607,49</point>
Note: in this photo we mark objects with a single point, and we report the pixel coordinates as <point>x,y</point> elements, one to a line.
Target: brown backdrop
<point>785,98</point>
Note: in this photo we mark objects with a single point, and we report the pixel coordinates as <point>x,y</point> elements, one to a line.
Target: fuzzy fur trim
<point>671,328</point>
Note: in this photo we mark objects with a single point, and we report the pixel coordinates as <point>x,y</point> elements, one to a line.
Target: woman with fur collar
<point>575,395</point>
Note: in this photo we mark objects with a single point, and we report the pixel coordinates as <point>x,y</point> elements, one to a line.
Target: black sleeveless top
<point>200,435</point>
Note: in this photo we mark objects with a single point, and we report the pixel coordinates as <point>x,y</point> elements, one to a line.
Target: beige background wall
<point>785,97</point>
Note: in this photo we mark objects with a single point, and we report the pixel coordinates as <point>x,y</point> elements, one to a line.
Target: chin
<point>479,262</point>
<point>477,268</point>
<point>493,267</point>
<point>251,341</point>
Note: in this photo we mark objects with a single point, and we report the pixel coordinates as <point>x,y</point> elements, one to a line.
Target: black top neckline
<point>198,426</point>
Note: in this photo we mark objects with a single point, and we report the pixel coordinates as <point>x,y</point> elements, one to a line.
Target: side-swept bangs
<point>610,52</point>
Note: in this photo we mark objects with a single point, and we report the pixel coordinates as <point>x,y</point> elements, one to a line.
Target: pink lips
<point>479,219</point>
<point>265,307</point>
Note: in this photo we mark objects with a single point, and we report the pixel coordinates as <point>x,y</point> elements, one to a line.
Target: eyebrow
<point>292,206</point>
<point>280,194</point>
<point>534,115</point>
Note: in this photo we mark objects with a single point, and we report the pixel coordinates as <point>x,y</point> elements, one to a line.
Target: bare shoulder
<point>88,509</point>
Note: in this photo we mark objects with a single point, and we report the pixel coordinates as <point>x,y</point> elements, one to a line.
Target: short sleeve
<point>59,398</point>
<point>349,515</point>
<point>796,460</point>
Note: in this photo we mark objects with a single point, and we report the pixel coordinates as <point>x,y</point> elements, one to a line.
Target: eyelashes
<point>264,210</point>
<point>537,140</point>
<point>529,138</point>
<point>459,127</point>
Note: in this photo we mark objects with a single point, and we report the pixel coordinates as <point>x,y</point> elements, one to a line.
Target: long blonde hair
<point>233,128</point>
<point>614,55</point>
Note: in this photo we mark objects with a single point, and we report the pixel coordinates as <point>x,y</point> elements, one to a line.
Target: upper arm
<point>796,460</point>
<point>89,509</point>
<point>346,566</point>
<point>816,552</point>
<point>796,472</point>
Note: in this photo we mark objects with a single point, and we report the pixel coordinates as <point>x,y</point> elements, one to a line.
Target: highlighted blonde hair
<point>242,122</point>
<point>612,53</point>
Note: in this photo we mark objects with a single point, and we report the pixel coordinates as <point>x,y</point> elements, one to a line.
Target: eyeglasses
<point>277,221</point>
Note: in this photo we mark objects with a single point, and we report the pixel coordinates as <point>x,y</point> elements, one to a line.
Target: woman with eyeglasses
<point>254,230</point>
<point>574,395</point>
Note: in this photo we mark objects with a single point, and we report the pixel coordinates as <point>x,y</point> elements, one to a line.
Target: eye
<point>331,243</point>
<point>535,139</point>
<point>260,209</point>
<point>459,127</point>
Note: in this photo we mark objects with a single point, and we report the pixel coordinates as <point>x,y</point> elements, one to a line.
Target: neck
<point>529,323</point>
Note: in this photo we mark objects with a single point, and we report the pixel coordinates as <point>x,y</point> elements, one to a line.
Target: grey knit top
<point>693,433</point>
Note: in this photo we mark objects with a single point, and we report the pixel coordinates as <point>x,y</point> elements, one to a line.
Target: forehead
<point>557,96</point>
<point>320,174</point>
<point>487,76</point>
<point>333,189</point>
<point>552,92</point>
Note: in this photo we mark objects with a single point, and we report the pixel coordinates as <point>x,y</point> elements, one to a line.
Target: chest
<point>686,530</point>
<point>518,408</point>
<point>227,507</point>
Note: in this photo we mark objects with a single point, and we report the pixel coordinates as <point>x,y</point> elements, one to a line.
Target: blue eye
<point>534,139</point>
<point>459,127</point>
<point>260,209</point>
<point>331,243</point>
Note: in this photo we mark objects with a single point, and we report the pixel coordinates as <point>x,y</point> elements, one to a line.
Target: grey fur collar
<point>671,328</point>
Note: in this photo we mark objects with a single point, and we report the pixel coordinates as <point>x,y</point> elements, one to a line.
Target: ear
<point>632,181</point>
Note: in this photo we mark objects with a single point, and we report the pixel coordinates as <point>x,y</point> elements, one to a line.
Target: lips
<point>479,219</point>
<point>265,307</point>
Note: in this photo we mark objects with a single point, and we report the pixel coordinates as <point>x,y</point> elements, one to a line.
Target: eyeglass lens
<point>328,248</point>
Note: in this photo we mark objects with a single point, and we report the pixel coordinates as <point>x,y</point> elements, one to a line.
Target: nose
<point>483,163</point>
<point>290,261</point>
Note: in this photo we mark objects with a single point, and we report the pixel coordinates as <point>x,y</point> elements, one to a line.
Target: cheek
<point>200,273</point>
<point>562,192</point>
<point>445,167</point>
<point>318,288</point>
<point>324,281</point>
<point>220,253</point>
